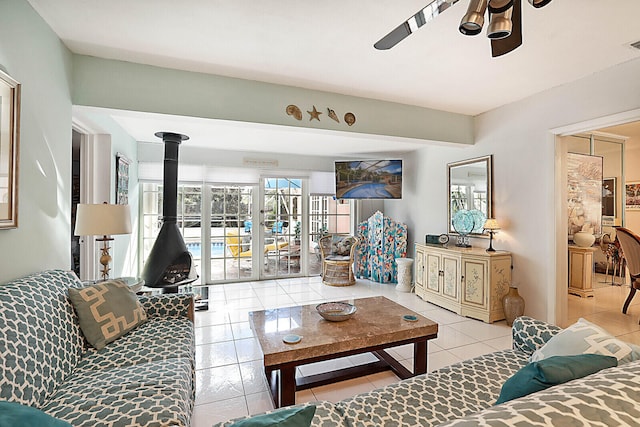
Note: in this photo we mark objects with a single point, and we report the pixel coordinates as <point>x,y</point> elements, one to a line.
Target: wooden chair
<point>630,244</point>
<point>338,252</point>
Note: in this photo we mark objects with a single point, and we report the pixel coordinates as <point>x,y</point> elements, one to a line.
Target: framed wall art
<point>584,191</point>
<point>632,196</point>
<point>122,179</point>
<point>9,142</point>
<point>609,191</point>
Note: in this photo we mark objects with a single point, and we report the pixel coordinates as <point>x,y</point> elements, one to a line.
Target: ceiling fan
<point>505,22</point>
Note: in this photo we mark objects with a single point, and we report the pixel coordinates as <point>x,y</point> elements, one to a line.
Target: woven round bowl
<point>336,311</point>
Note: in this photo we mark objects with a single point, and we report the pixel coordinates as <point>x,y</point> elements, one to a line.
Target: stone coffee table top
<point>378,321</point>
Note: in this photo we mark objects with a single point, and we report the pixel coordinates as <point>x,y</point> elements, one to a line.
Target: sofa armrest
<point>176,305</point>
<point>530,334</point>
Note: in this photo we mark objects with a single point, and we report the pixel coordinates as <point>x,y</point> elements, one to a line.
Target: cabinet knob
<point>440,272</point>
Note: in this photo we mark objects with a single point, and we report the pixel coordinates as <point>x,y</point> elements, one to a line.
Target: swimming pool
<point>217,249</point>
<point>368,191</point>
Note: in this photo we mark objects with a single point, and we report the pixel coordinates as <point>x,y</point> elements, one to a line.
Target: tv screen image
<point>370,179</point>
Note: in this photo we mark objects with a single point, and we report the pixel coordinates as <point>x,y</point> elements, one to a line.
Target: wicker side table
<point>338,273</point>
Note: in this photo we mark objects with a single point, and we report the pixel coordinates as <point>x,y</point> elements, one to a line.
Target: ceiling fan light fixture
<point>500,25</point>
<point>499,6</point>
<point>539,3</point>
<point>472,22</point>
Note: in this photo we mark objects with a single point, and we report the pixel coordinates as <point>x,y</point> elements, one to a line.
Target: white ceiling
<point>328,45</point>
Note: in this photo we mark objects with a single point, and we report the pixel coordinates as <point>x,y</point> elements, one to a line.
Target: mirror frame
<point>9,143</point>
<point>488,160</point>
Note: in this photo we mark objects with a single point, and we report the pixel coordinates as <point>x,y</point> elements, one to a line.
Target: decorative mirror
<point>470,188</point>
<point>9,135</point>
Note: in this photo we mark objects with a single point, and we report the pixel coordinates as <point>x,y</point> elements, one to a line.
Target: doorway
<point>76,253</point>
<point>618,145</point>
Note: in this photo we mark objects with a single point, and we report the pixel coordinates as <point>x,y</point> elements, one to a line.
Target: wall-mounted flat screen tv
<point>369,179</point>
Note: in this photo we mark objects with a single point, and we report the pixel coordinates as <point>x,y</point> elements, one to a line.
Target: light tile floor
<point>229,378</point>
<point>605,309</point>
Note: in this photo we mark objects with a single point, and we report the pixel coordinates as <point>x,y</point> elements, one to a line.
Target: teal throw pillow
<point>14,414</point>
<point>552,371</point>
<point>295,416</point>
<point>586,337</point>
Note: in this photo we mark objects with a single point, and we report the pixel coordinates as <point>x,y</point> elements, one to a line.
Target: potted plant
<point>298,230</point>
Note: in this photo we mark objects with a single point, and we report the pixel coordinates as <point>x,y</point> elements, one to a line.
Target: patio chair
<point>234,245</point>
<point>337,259</point>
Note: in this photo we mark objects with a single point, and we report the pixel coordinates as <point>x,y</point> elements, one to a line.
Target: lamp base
<point>490,248</point>
<point>105,257</point>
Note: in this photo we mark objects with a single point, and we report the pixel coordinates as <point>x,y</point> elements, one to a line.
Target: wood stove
<point>170,264</point>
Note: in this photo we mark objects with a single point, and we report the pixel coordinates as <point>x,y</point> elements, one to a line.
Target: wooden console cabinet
<point>468,281</point>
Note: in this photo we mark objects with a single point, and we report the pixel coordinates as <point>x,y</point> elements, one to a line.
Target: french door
<point>281,215</point>
<point>238,232</point>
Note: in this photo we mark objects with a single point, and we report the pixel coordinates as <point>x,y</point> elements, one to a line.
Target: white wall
<point>519,137</point>
<point>32,54</point>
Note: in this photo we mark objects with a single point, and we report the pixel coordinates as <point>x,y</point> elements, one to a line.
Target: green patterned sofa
<point>464,394</point>
<point>145,378</point>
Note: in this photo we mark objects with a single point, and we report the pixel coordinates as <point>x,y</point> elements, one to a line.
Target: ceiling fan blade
<point>503,46</point>
<point>394,37</point>
<point>424,15</point>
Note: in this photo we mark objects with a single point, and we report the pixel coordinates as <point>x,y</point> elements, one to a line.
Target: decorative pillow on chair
<point>585,337</point>
<point>15,414</point>
<point>106,311</point>
<point>294,416</point>
<point>342,245</point>
<point>555,370</point>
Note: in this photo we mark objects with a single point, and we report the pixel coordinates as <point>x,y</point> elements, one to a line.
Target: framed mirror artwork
<point>470,188</point>
<point>9,141</point>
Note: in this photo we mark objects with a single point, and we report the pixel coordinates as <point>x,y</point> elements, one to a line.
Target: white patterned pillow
<point>585,337</point>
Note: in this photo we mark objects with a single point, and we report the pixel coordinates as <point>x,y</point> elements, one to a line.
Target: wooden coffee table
<point>378,324</point>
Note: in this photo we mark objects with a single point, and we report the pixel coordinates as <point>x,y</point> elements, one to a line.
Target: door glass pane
<point>326,216</point>
<point>281,248</point>
<point>580,144</point>
<point>231,233</point>
<point>613,182</point>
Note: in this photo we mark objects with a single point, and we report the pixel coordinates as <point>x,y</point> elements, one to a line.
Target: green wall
<point>124,85</point>
<point>33,55</point>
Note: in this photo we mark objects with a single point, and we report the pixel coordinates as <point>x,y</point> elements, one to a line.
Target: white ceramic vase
<point>583,239</point>
<point>404,274</point>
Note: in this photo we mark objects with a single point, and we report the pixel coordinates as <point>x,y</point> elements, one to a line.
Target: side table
<point>581,271</point>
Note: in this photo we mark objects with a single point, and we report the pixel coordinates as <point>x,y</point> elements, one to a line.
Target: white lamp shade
<point>102,220</point>
<point>491,224</point>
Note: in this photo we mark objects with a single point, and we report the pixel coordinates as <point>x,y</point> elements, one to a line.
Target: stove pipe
<point>169,264</point>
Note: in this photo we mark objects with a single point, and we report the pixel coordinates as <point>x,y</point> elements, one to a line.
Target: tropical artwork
<point>584,193</point>
<point>632,199</point>
<point>372,179</point>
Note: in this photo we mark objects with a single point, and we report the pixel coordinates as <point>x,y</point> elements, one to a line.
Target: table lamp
<point>103,220</point>
<point>491,225</point>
